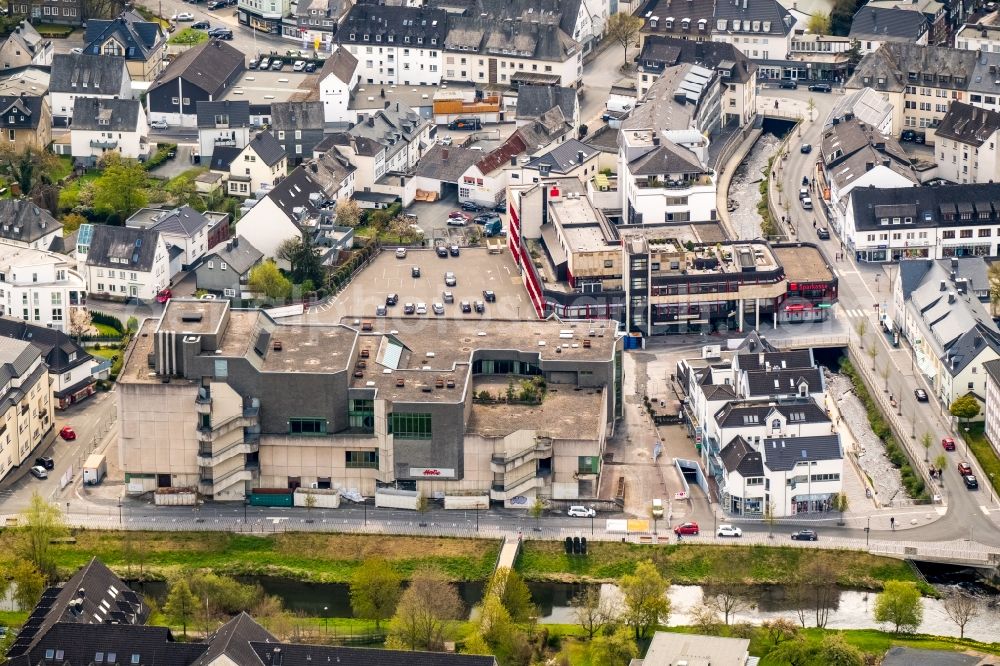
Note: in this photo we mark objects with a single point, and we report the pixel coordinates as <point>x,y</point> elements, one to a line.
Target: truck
<point>94,469</point>
<point>492,228</point>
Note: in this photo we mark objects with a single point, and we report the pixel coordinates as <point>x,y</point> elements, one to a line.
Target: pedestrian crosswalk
<point>853,313</point>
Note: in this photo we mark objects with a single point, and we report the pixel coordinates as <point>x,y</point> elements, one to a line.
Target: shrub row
<point>161,156</point>
<point>107,320</point>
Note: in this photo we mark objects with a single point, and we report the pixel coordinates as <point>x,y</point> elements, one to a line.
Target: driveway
<point>178,165</point>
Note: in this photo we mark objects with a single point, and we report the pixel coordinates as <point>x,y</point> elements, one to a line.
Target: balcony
<point>221,141</point>
<point>701,180</point>
<point>106,145</point>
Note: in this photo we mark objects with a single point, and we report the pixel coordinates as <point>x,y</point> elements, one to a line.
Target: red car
<point>164,295</point>
<point>964,468</point>
<point>67,433</point>
<point>687,528</point>
<point>948,443</point>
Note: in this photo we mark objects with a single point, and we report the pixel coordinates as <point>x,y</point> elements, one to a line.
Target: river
<point>745,187</point>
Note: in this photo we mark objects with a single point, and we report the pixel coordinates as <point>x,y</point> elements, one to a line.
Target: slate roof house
<point>298,127</point>
<point>969,150</point>
<point>95,618</point>
<point>70,366</point>
<point>222,124</point>
<point>316,20</point>
<point>188,233</point>
<point>23,224</point>
<point>533,101</point>
<point>873,27</point>
<point>337,79</point>
<point>25,121</point>
<point>102,125</point>
<point>257,167</point>
<point>142,43</point>
<point>125,262</point>
<point>24,46</point>
<point>79,75</point>
<point>227,267</point>
<point>201,74</point>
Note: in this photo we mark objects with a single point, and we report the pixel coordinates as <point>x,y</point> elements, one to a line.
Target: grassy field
<point>696,564</point>
<point>315,557</point>
<point>985,454</point>
<point>104,352</point>
<point>189,37</point>
<point>63,168</point>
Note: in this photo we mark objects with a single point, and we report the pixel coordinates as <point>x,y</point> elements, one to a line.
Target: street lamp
<point>868,531</point>
<point>365,505</point>
<point>120,521</point>
<point>477,516</point>
<point>246,503</point>
<point>592,516</point>
<point>326,620</point>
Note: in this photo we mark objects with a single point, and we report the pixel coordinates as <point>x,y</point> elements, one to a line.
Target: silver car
<point>438,308</point>
<point>421,308</point>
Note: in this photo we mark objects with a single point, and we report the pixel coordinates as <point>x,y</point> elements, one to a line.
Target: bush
<point>162,155</point>
<point>108,320</point>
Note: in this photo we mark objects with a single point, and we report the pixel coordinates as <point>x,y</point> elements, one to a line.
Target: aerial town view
<point>482,333</point>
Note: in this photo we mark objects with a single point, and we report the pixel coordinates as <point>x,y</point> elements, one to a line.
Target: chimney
<point>944,285</point>
<point>236,241</point>
<point>444,155</point>
<point>229,245</point>
<point>387,104</point>
<point>952,297</point>
<point>513,161</point>
<point>869,166</point>
<point>656,140</point>
<point>579,157</point>
<point>543,170</point>
<point>371,120</point>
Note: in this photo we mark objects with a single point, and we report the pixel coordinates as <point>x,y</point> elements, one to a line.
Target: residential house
<point>926,222</point>
<point>227,267</point>
<point>737,74</point>
<point>201,74</point>
<point>983,35</point>
<point>935,13</point>
<point>695,649</point>
<point>335,173</point>
<point>96,613</point>
<point>125,262</point>
<point>24,46</point>
<point>187,233</point>
<point>257,167</point>
<point>298,127</point>
<point>72,371</point>
<point>873,27</point>
<point>534,100</point>
<point>991,408</point>
<point>395,44</point>
<point>103,125</point>
<point>142,43</point>
<point>761,29</point>
<point>26,410</point>
<point>692,20</point>
<point>854,154</point>
<point>224,123</point>
<point>337,79</point>
<point>966,145</point>
<point>263,15</point>
<point>948,326</point>
<point>572,158</point>
<point>757,421</point>
<point>816,57</point>
<point>443,166</point>
<point>24,224</point>
<point>498,48</point>
<point>49,11</point>
<point>26,121</point>
<point>40,287</point>
<point>315,22</point>
<point>868,106</point>
<point>78,75</point>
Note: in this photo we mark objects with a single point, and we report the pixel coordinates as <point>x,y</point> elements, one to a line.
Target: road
<point>969,514</point>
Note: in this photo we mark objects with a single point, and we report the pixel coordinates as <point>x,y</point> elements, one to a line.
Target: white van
<point>657,508</point>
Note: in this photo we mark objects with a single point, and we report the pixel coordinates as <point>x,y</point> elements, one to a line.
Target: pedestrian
<point>892,523</point>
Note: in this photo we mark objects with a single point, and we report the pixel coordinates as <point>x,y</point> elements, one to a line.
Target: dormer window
<point>353,37</point>
<point>366,38</point>
<point>668,24</point>
<point>653,23</point>
<point>406,40</point>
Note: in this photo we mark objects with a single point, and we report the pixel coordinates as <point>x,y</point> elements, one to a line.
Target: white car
<point>299,65</point>
<point>401,253</point>
<point>728,531</point>
<point>39,472</point>
<point>421,308</point>
<point>159,125</point>
<point>438,308</point>
<point>182,16</point>
<point>581,512</point>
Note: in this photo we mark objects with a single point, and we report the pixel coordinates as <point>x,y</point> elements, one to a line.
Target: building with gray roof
<point>81,75</point>
<point>695,650</point>
<point>969,152</point>
<point>131,36</point>
<point>226,268</point>
<point>200,74</point>
<point>22,372</point>
<point>25,224</point>
<point>873,27</point>
<point>102,125</point>
<point>533,101</point>
<point>298,127</point>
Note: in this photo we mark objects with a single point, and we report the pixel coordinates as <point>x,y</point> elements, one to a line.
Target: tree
<point>266,279</point>
<point>617,649</point>
<point>819,24</point>
<point>835,651</point>
<point>424,613</point>
<point>508,586</point>
<point>873,354</point>
<point>71,222</point>
<point>623,29</point>
<point>854,53</point>
<point>926,440</point>
<point>841,503</point>
<point>770,518</point>
<point>842,15</point>
<point>536,510</point>
<point>132,325</point>
<point>811,107</point>
<point>29,168</point>
<point>121,187</point>
<point>29,583</point>
<point>898,604</point>
<point>181,605</point>
<point>42,522</point>
<point>304,258</point>
<point>993,278</point>
<point>965,407</point>
<point>728,597</point>
<point>375,590</point>
<point>940,461</point>
<point>310,501</point>
<point>348,213</point>
<point>961,607</point>
<point>645,598</point>
<point>504,639</point>
<point>592,611</point>
<point>861,327</point>
<point>779,630</point>
<point>815,590</point>
<point>402,228</point>
<point>884,373</point>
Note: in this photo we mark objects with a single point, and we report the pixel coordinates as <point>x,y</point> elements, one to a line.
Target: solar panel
<point>263,339</point>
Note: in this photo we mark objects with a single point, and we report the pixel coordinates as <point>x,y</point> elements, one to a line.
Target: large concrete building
<point>444,407</point>
<point>26,412</point>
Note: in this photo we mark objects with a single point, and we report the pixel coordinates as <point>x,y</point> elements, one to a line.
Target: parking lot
<point>475,270</point>
<point>432,218</point>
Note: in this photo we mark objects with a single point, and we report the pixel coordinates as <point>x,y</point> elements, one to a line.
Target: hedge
<point>162,155</point>
<point>108,320</point>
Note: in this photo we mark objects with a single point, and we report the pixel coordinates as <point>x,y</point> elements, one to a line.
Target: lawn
<point>189,37</point>
<point>63,167</point>
<point>985,454</point>
<point>106,331</point>
<point>691,564</point>
<point>315,557</point>
<point>69,195</point>
<point>104,352</point>
<point>54,30</point>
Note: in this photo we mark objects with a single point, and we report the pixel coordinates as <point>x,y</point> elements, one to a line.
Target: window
<point>361,414</point>
<point>361,459</point>
<point>301,426</point>
<point>965,233</point>
<point>211,265</point>
<point>410,426</point>
<point>947,234</point>
<point>608,263</point>
<point>222,265</point>
<point>588,464</point>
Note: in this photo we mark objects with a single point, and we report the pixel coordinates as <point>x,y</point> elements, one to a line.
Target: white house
<point>188,233</point>
<point>761,29</point>
<point>992,406</point>
<point>72,371</point>
<point>24,46</point>
<point>760,420</point>
<point>336,80</point>
<point>39,287</point>
<point>395,44</point>
<point>76,75</point>
<point>967,145</point>
<point>23,224</point>
<point>125,262</point>
<point>282,213</point>
<point>108,125</point>
<point>223,124</point>
<point>874,26</point>
<point>26,412</point>
<point>258,167</point>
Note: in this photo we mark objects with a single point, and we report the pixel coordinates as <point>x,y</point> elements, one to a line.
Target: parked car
<point>217,4</point>
<point>490,296</point>
<point>803,193</point>
<point>920,394</point>
<point>415,272</point>
<point>456,221</point>
<point>442,251</point>
<point>310,67</point>
<point>822,233</point>
<point>453,250</point>
<point>39,472</point>
<point>805,148</point>
<point>729,531</point>
<point>687,528</point>
<point>299,66</point>
<point>464,124</point>
<point>465,306</point>
<point>807,203</point>
<point>421,308</point>
<point>821,87</point>
<point>277,65</point>
<point>919,137</point>
<point>183,16</point>
<point>805,181</point>
<point>408,308</point>
<point>581,511</point>
<point>401,253</point>
<point>392,299</point>
<point>446,141</point>
<point>46,462</point>
<point>948,443</point>
<point>450,280</point>
<point>254,62</point>
<point>159,125</point>
<point>469,206</point>
<point>381,311</point>
<point>67,433</point>
<point>970,481</point>
<point>265,63</point>
<point>448,296</point>
<point>438,308</point>
<point>964,468</point>
<point>480,307</point>
<point>805,535</point>
<point>201,25</point>
<point>164,295</point>
<point>221,33</point>
<point>908,135</point>
<point>788,84</point>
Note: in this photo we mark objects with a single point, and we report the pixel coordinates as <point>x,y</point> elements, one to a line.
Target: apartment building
<point>77,75</point>
<point>26,412</point>
<point>873,27</point>
<point>258,404</point>
<point>966,149</point>
<point>934,12</point>
<point>73,372</point>
<point>263,15</point>
<point>39,287</point>
<point>100,126</point>
<point>189,234</point>
<point>222,124</point>
<point>761,29</point>
<point>125,262</point>
<point>981,36</point>
<point>991,407</point>
<point>26,225</point>
<point>927,222</point>
<point>395,44</point>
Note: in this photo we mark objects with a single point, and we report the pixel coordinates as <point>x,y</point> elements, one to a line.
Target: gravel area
<point>871,454</point>
<point>745,188</point>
